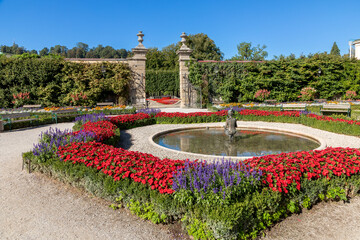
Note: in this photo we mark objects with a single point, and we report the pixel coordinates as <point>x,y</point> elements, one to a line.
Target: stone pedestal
<point>137,64</point>
<point>185,86</point>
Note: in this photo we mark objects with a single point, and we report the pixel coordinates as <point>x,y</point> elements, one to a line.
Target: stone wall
<point>137,64</point>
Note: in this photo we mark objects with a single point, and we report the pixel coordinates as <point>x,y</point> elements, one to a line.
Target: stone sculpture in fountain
<point>230,126</point>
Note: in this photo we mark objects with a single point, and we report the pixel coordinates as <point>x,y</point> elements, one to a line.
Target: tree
<point>248,53</point>
<point>79,51</point>
<point>123,53</point>
<point>108,52</point>
<point>170,57</point>
<point>154,59</point>
<point>59,50</point>
<point>335,50</point>
<point>44,52</point>
<point>203,47</point>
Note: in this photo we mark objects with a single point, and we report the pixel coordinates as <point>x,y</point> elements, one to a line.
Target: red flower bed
<point>269,113</point>
<point>330,119</point>
<point>167,100</point>
<point>119,163</point>
<point>128,118</point>
<point>195,114</point>
<point>102,129</point>
<point>285,169</point>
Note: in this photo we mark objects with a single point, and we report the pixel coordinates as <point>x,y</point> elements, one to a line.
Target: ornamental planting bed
<point>227,200</point>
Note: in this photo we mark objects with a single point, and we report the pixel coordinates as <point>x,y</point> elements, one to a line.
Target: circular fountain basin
<point>248,142</point>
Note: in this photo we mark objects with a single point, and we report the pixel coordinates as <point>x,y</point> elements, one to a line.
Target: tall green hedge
<point>235,81</point>
<point>162,82</point>
<point>53,82</point>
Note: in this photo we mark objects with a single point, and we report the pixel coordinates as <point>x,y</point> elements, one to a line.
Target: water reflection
<point>213,141</point>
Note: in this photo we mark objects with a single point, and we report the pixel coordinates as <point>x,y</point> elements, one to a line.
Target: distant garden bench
<point>102,104</point>
<point>64,113</point>
<point>32,106</point>
<point>9,119</point>
<point>336,108</point>
<point>294,107</point>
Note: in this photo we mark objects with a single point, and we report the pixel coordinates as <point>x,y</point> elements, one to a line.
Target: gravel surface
<point>35,207</point>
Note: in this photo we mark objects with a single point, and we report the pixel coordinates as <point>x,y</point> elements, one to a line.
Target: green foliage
<point>196,228</point>
<point>248,53</point>
<point>336,193</point>
<point>162,82</point>
<point>81,50</point>
<point>46,118</point>
<point>146,211</point>
<point>52,81</point>
<point>204,48</point>
<point>284,78</point>
<point>335,50</point>
<point>166,59</point>
<point>195,119</point>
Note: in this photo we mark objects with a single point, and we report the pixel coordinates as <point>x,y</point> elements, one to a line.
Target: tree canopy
<point>204,48</point>
<point>81,50</point>
<point>248,53</point>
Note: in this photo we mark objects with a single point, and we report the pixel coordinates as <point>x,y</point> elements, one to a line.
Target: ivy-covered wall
<point>55,82</point>
<point>284,78</point>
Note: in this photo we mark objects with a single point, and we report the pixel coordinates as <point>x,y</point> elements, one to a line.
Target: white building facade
<point>355,49</point>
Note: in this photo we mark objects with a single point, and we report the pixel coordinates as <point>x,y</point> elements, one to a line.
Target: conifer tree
<point>335,50</point>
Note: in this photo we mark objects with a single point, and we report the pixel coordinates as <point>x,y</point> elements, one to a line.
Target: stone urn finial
<point>140,37</point>
<point>183,40</point>
<point>140,40</point>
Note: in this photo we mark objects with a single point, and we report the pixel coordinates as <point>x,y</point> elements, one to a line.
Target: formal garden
<point>224,199</point>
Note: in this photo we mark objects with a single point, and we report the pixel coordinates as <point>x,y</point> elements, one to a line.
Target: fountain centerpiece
<point>231,125</point>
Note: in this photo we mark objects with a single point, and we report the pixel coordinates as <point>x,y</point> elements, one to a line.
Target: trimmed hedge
<point>45,118</point>
<point>162,82</point>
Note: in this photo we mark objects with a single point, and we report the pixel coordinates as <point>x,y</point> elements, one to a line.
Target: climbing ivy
<point>330,75</point>
<point>54,81</point>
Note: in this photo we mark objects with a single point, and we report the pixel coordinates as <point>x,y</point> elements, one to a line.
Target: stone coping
<point>205,156</point>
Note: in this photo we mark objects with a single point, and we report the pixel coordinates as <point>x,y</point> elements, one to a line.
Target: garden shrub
<point>162,82</point>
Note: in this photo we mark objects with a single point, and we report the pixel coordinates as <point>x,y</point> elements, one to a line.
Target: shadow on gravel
<point>125,140</point>
<point>53,125</point>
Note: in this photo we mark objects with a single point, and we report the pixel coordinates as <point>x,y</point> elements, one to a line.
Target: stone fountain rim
<point>200,156</point>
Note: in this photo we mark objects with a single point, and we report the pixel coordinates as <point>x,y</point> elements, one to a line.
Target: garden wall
<point>55,82</point>
<point>330,76</point>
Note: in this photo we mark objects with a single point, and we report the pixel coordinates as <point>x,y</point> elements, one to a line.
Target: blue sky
<point>283,26</point>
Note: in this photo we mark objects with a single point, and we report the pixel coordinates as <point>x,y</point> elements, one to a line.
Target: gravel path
<point>35,207</point>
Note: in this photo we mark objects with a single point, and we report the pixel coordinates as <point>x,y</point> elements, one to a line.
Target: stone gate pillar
<point>137,64</point>
<point>185,86</point>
